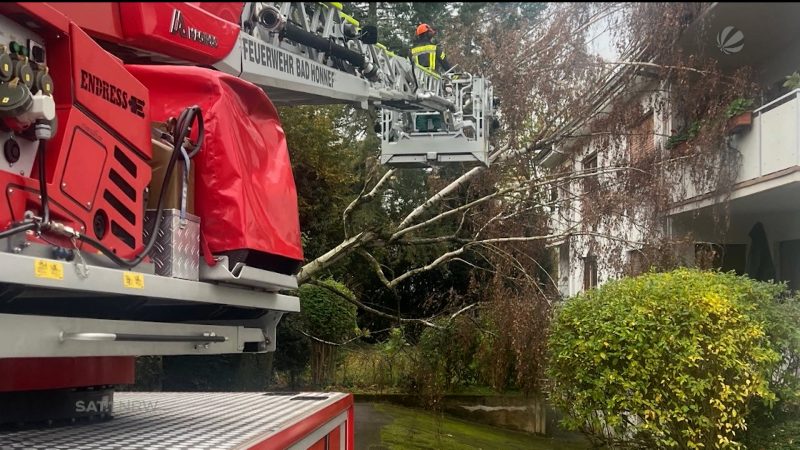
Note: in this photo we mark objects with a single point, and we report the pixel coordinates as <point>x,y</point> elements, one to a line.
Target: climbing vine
<point>663,137</point>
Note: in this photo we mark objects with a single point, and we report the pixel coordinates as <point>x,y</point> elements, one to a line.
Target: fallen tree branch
<point>571,176</point>
<point>352,299</point>
<point>363,198</point>
<point>376,267</point>
<point>441,259</point>
<point>333,255</point>
<point>436,198</point>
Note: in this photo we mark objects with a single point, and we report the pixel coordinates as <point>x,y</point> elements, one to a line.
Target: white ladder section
<point>313,53</point>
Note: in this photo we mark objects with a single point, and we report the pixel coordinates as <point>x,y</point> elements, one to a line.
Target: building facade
<point>754,228</point>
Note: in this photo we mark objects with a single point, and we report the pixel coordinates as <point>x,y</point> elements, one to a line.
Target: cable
<point>18,229</point>
<point>183,128</point>
<point>43,185</point>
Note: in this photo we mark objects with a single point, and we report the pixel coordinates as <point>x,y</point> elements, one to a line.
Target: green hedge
<point>326,315</point>
<point>672,360</point>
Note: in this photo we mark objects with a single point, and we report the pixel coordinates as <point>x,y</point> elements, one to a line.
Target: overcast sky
<point>600,41</point>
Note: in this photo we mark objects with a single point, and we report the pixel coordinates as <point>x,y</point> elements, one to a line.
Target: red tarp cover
<point>244,189</point>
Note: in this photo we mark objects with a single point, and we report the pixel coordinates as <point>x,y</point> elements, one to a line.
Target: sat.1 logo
<point>730,40</point>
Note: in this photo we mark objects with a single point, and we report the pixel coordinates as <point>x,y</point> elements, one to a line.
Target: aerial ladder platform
<point>314,48</point>
<point>313,53</point>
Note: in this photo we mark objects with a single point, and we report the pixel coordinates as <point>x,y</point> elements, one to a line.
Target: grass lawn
<point>415,429</point>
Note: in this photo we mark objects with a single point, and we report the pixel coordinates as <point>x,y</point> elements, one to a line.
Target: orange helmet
<point>423,28</point>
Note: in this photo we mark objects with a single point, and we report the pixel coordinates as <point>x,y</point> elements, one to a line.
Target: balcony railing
<point>773,144</point>
<point>770,148</point>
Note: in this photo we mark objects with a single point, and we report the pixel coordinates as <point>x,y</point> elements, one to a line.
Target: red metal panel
<point>110,116</point>
<point>103,86</point>
<point>292,434</point>
<point>126,212</point>
<point>244,188</point>
<point>81,179</point>
<point>99,19</point>
<point>180,30</point>
<point>334,439</point>
<point>39,13</point>
<point>230,11</point>
<point>154,27</point>
<point>29,374</point>
<point>351,430</point>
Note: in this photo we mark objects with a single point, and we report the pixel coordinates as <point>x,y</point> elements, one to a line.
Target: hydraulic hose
<point>271,20</point>
<point>293,32</point>
<point>183,129</point>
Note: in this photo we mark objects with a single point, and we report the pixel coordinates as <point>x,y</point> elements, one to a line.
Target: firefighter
<point>426,53</point>
<point>430,55</point>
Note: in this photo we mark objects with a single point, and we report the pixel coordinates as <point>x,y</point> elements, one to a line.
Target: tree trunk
<point>322,363</point>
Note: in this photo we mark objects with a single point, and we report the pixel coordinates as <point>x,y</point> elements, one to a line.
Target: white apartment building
<point>766,190</point>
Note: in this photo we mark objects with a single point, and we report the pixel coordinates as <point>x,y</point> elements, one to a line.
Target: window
<point>790,263</point>
<point>563,269</point>
<point>589,272</point>
<point>637,263</point>
<point>590,183</point>
<point>560,188</point>
<point>641,142</point>
<point>553,193</point>
<point>554,269</point>
<point>591,187</point>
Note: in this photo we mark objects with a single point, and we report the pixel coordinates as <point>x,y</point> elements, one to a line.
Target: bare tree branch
<point>574,175</point>
<point>439,196</point>
<point>352,299</point>
<point>438,261</point>
<point>376,267</point>
<point>465,309</point>
<point>652,65</point>
<point>333,255</point>
<point>436,198</point>
<point>363,198</point>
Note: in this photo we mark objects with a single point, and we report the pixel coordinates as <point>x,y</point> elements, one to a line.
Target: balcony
<point>770,156</point>
<point>773,144</point>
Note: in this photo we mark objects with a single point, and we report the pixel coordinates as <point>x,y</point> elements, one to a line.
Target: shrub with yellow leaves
<point>669,360</point>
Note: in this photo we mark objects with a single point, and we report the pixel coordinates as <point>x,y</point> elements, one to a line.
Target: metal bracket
<point>245,275</point>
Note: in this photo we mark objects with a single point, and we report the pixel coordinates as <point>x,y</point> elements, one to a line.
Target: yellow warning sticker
<point>133,280</point>
<point>43,268</point>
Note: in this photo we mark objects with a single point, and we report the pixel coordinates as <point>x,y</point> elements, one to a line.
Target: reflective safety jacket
<point>427,54</point>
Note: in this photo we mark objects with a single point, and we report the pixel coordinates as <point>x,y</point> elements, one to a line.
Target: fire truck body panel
<point>212,421</point>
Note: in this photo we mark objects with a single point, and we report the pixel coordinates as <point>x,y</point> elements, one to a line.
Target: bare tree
<point>554,94</point>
